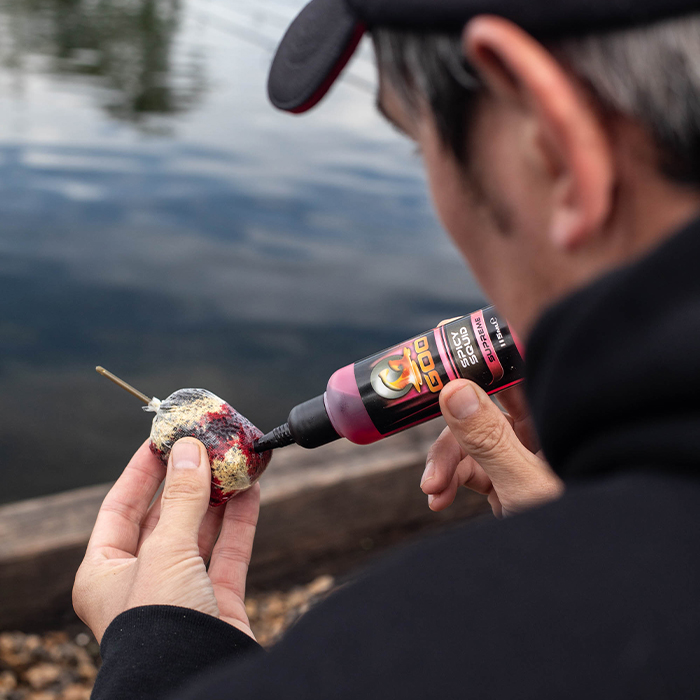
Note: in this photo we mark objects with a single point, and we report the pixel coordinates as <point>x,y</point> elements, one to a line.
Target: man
<point>562,145</point>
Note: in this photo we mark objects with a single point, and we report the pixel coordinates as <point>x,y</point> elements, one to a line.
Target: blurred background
<point>160,218</point>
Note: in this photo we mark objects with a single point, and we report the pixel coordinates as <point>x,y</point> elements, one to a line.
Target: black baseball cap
<point>324,36</point>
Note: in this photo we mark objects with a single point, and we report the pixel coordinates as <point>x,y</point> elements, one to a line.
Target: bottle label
<point>400,387</point>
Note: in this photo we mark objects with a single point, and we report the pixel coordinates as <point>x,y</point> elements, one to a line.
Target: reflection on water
<point>128,46</point>
<point>161,219</point>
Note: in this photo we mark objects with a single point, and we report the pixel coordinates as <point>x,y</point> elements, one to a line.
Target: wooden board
<point>339,504</point>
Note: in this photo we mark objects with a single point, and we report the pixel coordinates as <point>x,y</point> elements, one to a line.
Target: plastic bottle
<point>400,387</point>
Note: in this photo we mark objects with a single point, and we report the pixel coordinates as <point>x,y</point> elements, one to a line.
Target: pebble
<point>42,675</point>
<point>55,666</point>
<point>76,692</point>
<point>8,681</point>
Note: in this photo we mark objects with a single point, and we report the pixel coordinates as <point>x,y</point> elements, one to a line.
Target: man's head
<point>549,161</point>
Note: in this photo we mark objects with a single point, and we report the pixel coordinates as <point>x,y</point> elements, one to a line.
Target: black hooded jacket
<point>595,596</point>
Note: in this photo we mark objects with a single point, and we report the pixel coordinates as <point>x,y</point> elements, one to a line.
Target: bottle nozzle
<point>308,426</point>
<point>279,437</point>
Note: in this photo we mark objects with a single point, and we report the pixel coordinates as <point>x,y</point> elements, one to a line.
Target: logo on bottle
<point>393,377</point>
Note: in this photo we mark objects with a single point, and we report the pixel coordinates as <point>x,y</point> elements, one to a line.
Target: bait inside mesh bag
<point>226,434</point>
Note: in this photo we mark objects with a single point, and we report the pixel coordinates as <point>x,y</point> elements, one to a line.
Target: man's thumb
<point>480,427</point>
<point>187,487</point>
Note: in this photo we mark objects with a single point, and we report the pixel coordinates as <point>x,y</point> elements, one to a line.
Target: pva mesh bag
<point>226,434</point>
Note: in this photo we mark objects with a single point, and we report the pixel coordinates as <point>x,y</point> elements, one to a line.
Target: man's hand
<point>488,451</point>
<point>143,554</point>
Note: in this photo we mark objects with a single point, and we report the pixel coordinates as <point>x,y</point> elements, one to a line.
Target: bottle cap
<point>310,424</point>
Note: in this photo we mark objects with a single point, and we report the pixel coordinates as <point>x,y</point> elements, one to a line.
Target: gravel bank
<point>63,666</point>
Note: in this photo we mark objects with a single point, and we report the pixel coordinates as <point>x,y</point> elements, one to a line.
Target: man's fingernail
<point>186,455</point>
<point>428,474</point>
<point>431,500</point>
<point>463,403</point>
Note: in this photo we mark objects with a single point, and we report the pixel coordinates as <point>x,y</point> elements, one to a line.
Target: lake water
<point>160,218</point>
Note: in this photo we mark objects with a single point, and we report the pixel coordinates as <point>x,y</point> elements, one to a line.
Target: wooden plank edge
<point>325,512</point>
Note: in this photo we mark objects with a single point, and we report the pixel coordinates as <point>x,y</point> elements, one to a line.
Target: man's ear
<point>571,139</point>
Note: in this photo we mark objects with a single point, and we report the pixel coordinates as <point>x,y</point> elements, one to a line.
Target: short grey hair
<point>649,73</point>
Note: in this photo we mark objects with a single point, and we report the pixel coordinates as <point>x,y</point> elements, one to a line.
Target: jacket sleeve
<point>149,652</point>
